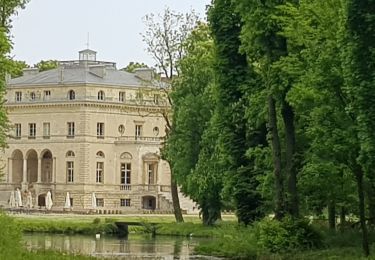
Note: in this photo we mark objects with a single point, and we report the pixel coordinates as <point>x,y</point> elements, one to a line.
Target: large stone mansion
<point>83,128</point>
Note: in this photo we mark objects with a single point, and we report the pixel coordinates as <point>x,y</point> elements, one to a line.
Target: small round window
<point>156,131</point>
<point>121,129</point>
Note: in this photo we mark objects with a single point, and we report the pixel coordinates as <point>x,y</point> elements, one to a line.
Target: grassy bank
<point>230,239</point>
<point>11,247</point>
<point>106,226</point>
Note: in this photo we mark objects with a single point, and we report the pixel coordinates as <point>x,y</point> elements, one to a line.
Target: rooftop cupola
<point>87,55</point>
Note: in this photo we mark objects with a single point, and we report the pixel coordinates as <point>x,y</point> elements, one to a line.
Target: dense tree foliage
<point>8,8</point>
<point>44,65</point>
<point>283,102</point>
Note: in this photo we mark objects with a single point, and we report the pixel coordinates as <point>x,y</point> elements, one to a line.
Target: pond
<point>133,246</point>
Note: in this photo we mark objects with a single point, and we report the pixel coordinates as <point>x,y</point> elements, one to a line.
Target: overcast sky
<point>57,29</point>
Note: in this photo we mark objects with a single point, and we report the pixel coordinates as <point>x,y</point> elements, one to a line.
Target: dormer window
<point>101,95</point>
<point>18,96</point>
<point>71,95</point>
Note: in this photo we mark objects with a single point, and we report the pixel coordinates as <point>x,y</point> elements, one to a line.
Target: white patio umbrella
<point>49,201</point>
<point>93,200</point>
<point>67,201</point>
<point>12,200</point>
<point>29,200</point>
<point>18,198</point>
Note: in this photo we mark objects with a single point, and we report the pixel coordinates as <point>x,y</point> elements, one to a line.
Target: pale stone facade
<point>87,128</point>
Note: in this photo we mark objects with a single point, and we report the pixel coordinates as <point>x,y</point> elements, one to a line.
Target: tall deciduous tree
<point>164,38</point>
<point>359,73</point>
<point>235,80</point>
<point>264,46</point>
<point>7,9</point>
<point>190,142</point>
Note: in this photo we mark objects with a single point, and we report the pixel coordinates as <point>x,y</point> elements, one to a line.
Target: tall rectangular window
<point>70,171</point>
<point>124,202</point>
<point>151,173</point>
<point>138,131</point>
<point>32,130</point>
<point>100,130</point>
<point>99,202</point>
<point>46,130</point>
<point>17,131</point>
<point>71,129</point>
<point>47,94</point>
<point>121,96</point>
<point>18,96</point>
<point>125,173</point>
<point>99,172</point>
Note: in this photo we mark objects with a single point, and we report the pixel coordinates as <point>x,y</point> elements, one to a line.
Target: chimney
<point>146,74</point>
<point>60,73</point>
<point>30,71</point>
<point>98,70</point>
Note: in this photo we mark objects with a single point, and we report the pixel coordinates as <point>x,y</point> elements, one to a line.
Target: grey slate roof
<point>78,75</point>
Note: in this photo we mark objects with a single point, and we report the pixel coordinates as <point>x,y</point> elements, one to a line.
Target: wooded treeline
<point>273,111</point>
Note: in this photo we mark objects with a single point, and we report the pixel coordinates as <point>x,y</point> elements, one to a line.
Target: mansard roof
<point>86,70</point>
<point>78,74</point>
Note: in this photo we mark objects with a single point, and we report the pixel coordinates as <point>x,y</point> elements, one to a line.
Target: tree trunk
<point>175,201</point>
<point>332,215</point>
<point>342,217</point>
<point>362,216</point>
<point>370,191</point>
<point>276,156</point>
<point>290,169</point>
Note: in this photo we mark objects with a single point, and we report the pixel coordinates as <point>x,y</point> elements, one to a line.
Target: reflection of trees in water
<point>148,246</point>
<point>177,247</point>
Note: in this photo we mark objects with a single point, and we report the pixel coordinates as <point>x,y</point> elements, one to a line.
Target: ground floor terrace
<point>111,198</point>
<point>35,173</point>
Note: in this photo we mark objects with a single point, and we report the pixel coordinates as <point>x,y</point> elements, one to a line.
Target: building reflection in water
<point>144,246</point>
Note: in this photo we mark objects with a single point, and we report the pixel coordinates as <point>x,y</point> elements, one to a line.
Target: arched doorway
<point>42,200</point>
<point>46,167</point>
<point>17,166</point>
<point>149,202</point>
<point>32,166</point>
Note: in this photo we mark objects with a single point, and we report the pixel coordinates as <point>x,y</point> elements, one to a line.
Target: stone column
<point>10,170</point>
<point>53,170</point>
<point>24,177</point>
<point>39,180</point>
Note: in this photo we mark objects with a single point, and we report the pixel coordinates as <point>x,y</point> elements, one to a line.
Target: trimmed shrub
<point>280,236</point>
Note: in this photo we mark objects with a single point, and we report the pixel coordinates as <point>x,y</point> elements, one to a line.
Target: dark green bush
<point>286,235</point>
<point>96,221</point>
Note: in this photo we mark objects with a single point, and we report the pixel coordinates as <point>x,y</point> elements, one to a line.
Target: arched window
<point>100,154</point>
<point>156,131</point>
<point>101,95</point>
<point>70,154</point>
<point>32,96</point>
<point>71,95</point>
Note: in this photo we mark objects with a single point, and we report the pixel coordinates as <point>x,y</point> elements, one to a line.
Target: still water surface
<point>130,247</point>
